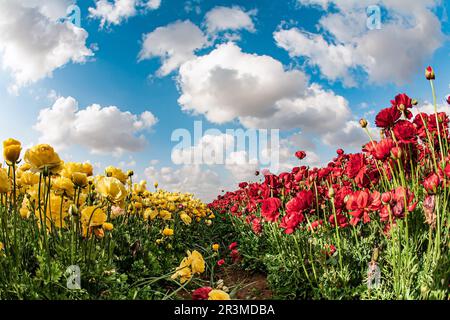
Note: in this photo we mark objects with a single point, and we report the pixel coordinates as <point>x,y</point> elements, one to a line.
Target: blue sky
<point>312,67</point>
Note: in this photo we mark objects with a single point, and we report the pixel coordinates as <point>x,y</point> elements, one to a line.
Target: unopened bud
<point>363,123</point>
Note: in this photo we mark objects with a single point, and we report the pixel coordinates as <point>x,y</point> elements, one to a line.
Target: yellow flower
<point>116,173</point>
<point>112,189</point>
<point>11,150</point>
<point>186,219</point>
<point>215,247</point>
<point>140,188</point>
<point>93,216</point>
<point>63,186</point>
<point>165,215</point>
<point>5,184</point>
<point>56,213</point>
<point>150,214</point>
<point>218,295</point>
<point>79,179</point>
<point>108,226</point>
<point>72,167</point>
<point>183,271</point>
<point>28,178</point>
<point>167,232</point>
<point>197,262</point>
<point>43,156</point>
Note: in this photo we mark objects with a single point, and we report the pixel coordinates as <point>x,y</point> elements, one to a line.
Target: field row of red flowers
<point>385,207</point>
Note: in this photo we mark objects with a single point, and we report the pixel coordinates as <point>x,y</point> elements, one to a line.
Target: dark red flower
<point>361,203</point>
<point>402,99</point>
<point>329,250</point>
<point>300,202</point>
<point>243,185</point>
<point>354,165</point>
<point>234,255</point>
<point>405,132</point>
<point>387,117</point>
<point>315,224</point>
<point>221,262</point>
<point>269,209</point>
<point>396,206</point>
<point>448,99</point>
<point>201,293</point>
<point>291,221</point>
<point>233,246</point>
<point>431,183</point>
<point>257,226</point>
<point>300,154</point>
<point>340,152</point>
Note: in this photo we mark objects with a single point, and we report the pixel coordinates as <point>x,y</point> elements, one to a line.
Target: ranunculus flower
<point>218,295</point>
<point>221,262</point>
<point>269,209</point>
<point>201,293</point>
<point>431,183</point>
<point>11,150</point>
<point>256,226</point>
<point>405,132</point>
<point>43,156</point>
<point>387,117</point>
<point>111,188</point>
<point>360,203</point>
<point>429,73</point>
<point>300,154</point>
<point>233,245</point>
<point>5,184</point>
<point>116,173</point>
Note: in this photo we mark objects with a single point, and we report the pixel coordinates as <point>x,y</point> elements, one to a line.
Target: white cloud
<point>227,83</point>
<point>210,149</point>
<point>174,44</point>
<point>103,130</point>
<point>33,44</point>
<point>116,11</point>
<point>203,183</point>
<point>153,4</point>
<point>410,31</point>
<point>351,135</point>
<point>229,18</point>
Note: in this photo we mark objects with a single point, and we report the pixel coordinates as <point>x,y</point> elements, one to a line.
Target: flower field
<point>369,225</point>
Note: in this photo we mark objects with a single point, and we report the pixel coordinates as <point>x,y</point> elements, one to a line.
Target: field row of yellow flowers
<point>123,238</point>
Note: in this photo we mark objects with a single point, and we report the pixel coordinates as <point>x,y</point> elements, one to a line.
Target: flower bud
<point>79,179</point>
<point>414,102</point>
<point>130,173</point>
<point>386,197</point>
<point>331,193</point>
<point>11,150</point>
<point>363,123</point>
<point>431,183</point>
<point>396,153</point>
<point>429,73</point>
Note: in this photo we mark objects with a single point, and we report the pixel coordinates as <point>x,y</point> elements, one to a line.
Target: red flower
<point>302,201</point>
<point>360,203</point>
<point>340,152</point>
<point>221,262</point>
<point>448,99</point>
<point>243,185</point>
<point>387,117</point>
<point>233,246</point>
<point>402,99</point>
<point>315,224</point>
<point>431,183</point>
<point>300,154</point>
<point>201,293</point>
<point>342,220</point>
<point>396,206</point>
<point>269,209</point>
<point>405,132</point>
<point>256,226</point>
<point>354,165</point>
<point>291,221</point>
<point>329,250</point>
<point>234,255</point>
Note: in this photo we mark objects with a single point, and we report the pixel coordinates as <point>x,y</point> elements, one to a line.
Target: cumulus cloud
<point>33,44</point>
<point>229,18</point>
<point>410,31</point>
<point>351,135</point>
<point>116,11</point>
<point>103,130</point>
<point>205,184</point>
<point>174,44</point>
